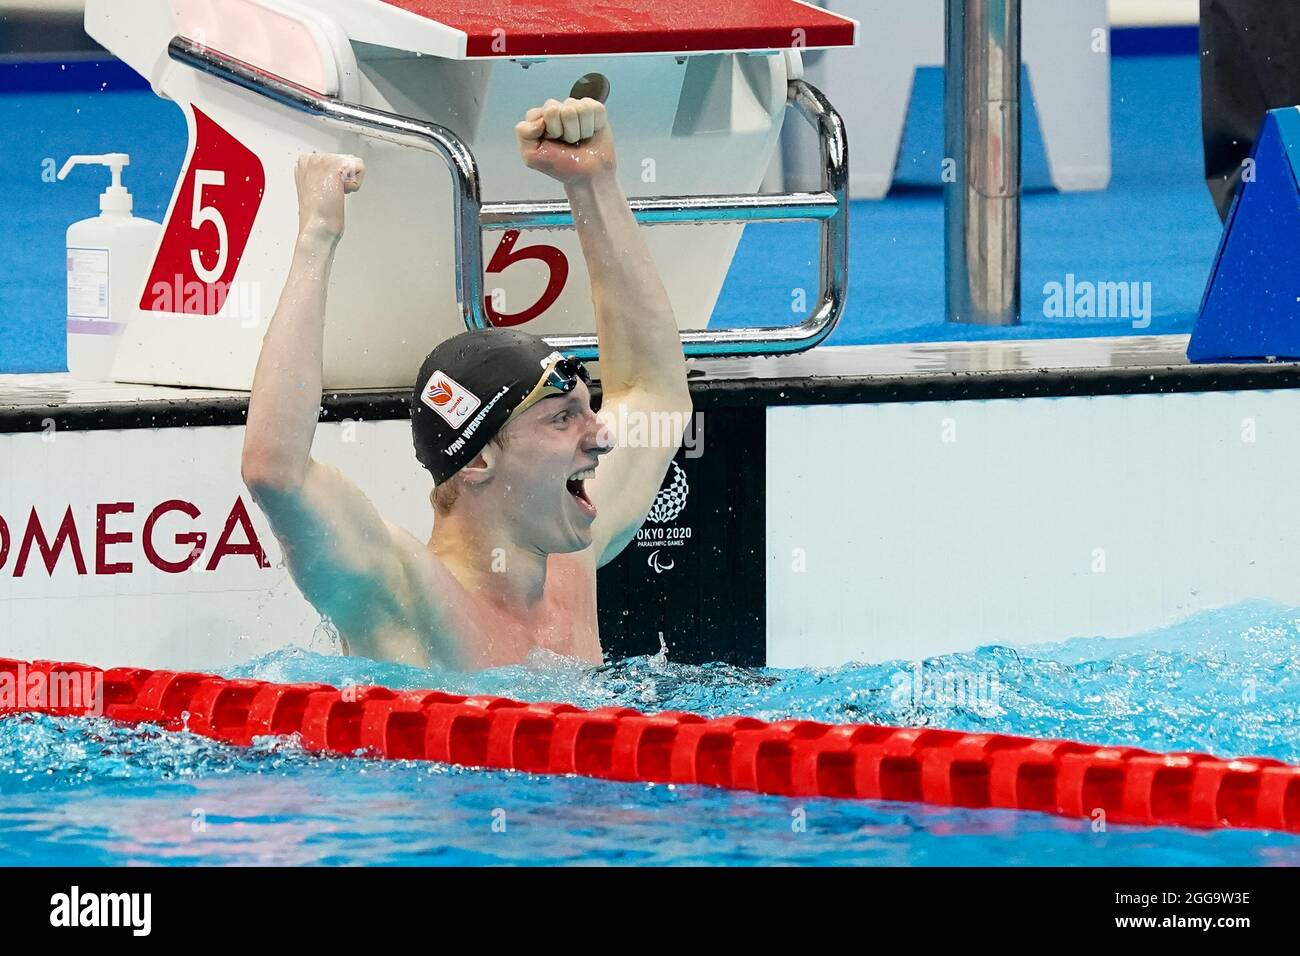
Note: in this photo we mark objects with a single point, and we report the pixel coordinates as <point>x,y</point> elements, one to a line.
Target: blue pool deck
<point>1155,223</point>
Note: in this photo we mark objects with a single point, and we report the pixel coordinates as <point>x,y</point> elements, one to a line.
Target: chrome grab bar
<point>830,206</point>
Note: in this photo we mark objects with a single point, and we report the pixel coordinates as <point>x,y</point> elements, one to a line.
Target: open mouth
<point>577,487</point>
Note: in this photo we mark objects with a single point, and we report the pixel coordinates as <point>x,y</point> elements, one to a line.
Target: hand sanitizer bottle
<point>108,256</point>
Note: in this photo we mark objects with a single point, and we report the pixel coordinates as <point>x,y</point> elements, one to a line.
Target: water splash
<point>1226,681</point>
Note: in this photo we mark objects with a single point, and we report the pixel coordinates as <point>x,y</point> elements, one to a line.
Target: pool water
<point>88,792</point>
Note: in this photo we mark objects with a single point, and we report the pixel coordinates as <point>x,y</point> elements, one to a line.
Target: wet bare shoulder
<point>436,603</point>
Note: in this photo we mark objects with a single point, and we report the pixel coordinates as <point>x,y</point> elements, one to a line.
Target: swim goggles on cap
<point>559,377</point>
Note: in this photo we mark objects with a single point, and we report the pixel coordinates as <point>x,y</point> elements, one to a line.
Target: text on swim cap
<point>472,427</point>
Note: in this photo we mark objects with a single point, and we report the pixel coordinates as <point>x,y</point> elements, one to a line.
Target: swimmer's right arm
<point>347,560</point>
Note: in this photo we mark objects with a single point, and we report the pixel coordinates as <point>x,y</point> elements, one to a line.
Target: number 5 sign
<point>209,225</point>
<point>507,254</point>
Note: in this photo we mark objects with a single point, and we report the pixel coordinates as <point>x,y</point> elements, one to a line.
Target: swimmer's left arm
<point>642,368</point>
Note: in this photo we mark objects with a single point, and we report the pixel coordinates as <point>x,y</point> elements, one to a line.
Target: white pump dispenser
<point>108,256</point>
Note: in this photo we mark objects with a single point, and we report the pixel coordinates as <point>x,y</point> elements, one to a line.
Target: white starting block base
<point>697,102</point>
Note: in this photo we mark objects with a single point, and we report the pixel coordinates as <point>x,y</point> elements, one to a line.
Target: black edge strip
<point>984,385</point>
<point>380,404</point>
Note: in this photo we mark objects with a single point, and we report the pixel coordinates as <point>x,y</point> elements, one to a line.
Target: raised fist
<point>568,141</point>
<point>323,180</point>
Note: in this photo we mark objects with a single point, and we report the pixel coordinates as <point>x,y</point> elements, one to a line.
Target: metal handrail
<point>472,216</point>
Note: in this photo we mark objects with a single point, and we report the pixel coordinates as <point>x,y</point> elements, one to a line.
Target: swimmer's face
<point>550,453</point>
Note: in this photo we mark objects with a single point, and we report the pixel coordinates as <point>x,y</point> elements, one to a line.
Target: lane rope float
<point>797,758</point>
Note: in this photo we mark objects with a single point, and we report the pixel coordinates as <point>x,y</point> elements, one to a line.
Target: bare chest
<point>482,633</point>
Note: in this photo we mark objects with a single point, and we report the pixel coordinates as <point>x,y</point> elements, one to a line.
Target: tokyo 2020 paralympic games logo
<point>659,531</point>
<point>670,501</point>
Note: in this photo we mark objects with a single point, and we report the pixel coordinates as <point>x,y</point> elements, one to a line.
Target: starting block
<point>436,243</point>
<point>1251,307</point>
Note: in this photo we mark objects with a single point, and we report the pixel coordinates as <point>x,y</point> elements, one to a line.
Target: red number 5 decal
<point>557,266</point>
<point>209,225</point>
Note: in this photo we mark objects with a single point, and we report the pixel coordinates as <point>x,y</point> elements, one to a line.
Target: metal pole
<point>982,136</point>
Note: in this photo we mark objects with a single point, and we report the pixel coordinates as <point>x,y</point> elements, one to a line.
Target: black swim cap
<point>466,390</point>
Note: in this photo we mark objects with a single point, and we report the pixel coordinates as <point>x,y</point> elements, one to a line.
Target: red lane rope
<point>798,758</point>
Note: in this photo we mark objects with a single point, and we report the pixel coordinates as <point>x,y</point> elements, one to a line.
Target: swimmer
<point>532,490</point>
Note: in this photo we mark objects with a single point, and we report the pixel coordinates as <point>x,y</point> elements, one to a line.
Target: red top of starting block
<point>511,28</point>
